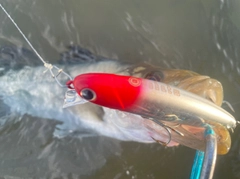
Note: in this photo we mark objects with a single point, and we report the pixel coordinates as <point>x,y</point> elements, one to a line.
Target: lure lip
<point>72,99</point>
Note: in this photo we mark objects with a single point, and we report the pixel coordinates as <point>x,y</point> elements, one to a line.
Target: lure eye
<point>88,94</point>
<point>154,76</point>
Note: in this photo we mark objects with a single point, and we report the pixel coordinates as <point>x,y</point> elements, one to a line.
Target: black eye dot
<point>88,94</point>
<point>155,76</point>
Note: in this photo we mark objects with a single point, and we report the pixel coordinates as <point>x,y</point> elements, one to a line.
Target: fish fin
<point>76,54</point>
<point>15,58</point>
<point>64,129</point>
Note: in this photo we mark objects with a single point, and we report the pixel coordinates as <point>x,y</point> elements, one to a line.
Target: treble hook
<point>229,105</point>
<point>168,131</point>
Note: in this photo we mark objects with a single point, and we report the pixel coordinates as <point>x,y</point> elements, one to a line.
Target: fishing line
<point>49,66</point>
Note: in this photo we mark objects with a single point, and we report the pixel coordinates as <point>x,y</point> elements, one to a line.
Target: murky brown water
<point>203,36</point>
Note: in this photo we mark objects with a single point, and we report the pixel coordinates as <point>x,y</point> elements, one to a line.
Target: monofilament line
<point>47,65</point>
<point>29,43</point>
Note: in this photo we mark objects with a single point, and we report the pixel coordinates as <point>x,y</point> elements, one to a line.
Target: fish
<point>27,90</point>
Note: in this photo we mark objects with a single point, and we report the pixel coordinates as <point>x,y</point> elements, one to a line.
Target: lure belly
<point>182,113</point>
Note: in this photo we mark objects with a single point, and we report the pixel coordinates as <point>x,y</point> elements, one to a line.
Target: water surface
<point>203,36</point>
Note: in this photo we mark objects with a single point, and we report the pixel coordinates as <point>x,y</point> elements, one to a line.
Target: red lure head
<point>109,90</point>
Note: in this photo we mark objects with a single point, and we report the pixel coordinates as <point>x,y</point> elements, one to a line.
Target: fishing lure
<point>182,114</point>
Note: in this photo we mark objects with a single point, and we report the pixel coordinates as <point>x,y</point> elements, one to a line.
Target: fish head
<point>200,85</point>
